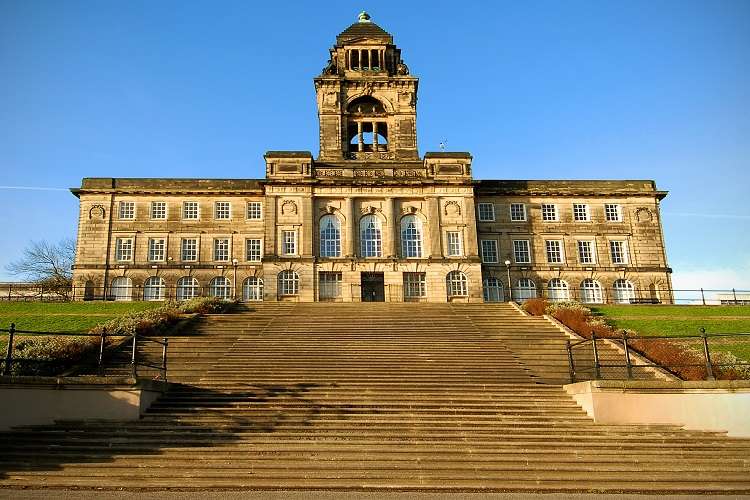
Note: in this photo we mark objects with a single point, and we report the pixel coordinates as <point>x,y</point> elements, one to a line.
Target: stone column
<point>351,228</point>
<point>471,245</point>
<point>390,245</point>
<point>270,226</point>
<point>308,224</point>
<point>433,213</point>
<point>360,137</point>
<point>375,136</point>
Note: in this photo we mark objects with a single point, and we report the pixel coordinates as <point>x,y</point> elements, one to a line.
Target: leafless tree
<point>47,264</point>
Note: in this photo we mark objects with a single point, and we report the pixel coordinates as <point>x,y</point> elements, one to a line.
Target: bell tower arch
<point>367,100</point>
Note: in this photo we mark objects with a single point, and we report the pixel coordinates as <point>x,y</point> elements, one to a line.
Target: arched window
<point>457,284</point>
<point>220,287</point>
<point>493,290</point>
<point>370,232</point>
<point>288,283</point>
<point>330,236</point>
<point>623,291</point>
<point>411,237</point>
<point>187,288</point>
<point>557,290</point>
<point>122,288</point>
<point>591,292</point>
<point>525,289</point>
<point>153,288</point>
<point>252,289</point>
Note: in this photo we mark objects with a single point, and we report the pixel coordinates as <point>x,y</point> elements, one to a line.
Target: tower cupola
<point>366,98</point>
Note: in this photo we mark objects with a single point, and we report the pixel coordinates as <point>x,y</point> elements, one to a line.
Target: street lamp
<point>234,283</point>
<point>510,285</point>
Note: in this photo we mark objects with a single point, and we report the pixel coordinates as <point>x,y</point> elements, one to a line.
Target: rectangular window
<point>619,252</point>
<point>124,249</point>
<point>486,212</point>
<point>253,250</point>
<point>189,250</point>
<point>613,212</point>
<point>222,210</point>
<point>156,248</point>
<point>581,212</point>
<point>554,251</point>
<point>517,212</point>
<point>549,212</point>
<point>221,249</point>
<point>586,253</point>
<point>489,251</point>
<point>254,210</point>
<point>190,210</point>
<point>289,241</point>
<point>521,252</point>
<point>158,209</point>
<point>127,210</point>
<point>415,285</point>
<point>454,244</point>
<point>329,285</point>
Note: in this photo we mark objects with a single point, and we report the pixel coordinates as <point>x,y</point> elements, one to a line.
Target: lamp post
<point>510,286</point>
<point>234,283</point>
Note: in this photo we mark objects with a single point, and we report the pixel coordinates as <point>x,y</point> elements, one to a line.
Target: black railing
<point>133,340</point>
<point>394,292</point>
<point>698,296</point>
<point>587,360</point>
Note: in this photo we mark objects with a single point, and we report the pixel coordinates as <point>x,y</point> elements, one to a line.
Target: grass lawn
<point>65,316</point>
<point>678,321</point>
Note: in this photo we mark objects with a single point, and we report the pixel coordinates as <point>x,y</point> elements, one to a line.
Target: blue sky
<point>631,89</point>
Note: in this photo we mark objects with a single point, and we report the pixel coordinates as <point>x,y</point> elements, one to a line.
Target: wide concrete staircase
<point>539,346</point>
<point>369,396</point>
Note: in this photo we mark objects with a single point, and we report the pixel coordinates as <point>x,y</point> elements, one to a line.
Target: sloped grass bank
<point>680,321</point>
<point>66,316</point>
<point>50,355</point>
<point>646,321</point>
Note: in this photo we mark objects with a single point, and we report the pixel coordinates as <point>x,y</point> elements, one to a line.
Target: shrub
<point>206,305</point>
<point>50,354</point>
<point>56,353</point>
<point>535,307</point>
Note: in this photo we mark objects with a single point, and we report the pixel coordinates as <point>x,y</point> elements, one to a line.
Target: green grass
<point>680,321</point>
<point>65,316</point>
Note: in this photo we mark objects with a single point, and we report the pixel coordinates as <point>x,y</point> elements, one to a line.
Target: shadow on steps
<point>200,424</point>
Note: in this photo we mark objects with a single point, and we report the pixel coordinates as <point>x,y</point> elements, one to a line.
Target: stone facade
<point>369,219</point>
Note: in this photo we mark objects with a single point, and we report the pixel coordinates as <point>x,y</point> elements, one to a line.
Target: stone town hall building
<point>369,219</point>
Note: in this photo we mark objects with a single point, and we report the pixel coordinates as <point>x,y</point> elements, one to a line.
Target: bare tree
<point>47,264</point>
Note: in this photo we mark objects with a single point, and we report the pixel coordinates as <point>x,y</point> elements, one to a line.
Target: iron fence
<point>629,357</point>
<point>132,340</point>
<point>247,291</point>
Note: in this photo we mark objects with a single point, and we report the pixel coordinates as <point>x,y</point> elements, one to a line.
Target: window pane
<point>521,251</point>
<point>415,285</point>
<point>330,236</point>
<point>517,212</point>
<point>489,251</point>
<point>254,210</point>
<point>411,237</point>
<point>329,285</point>
<point>370,236</point>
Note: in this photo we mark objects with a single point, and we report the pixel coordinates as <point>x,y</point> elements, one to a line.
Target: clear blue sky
<point>631,89</point>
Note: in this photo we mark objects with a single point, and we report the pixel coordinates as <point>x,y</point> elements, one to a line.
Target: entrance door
<point>373,287</point>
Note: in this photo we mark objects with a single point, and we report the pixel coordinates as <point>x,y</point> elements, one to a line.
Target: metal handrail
<point>12,331</point>
<point>625,340</point>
